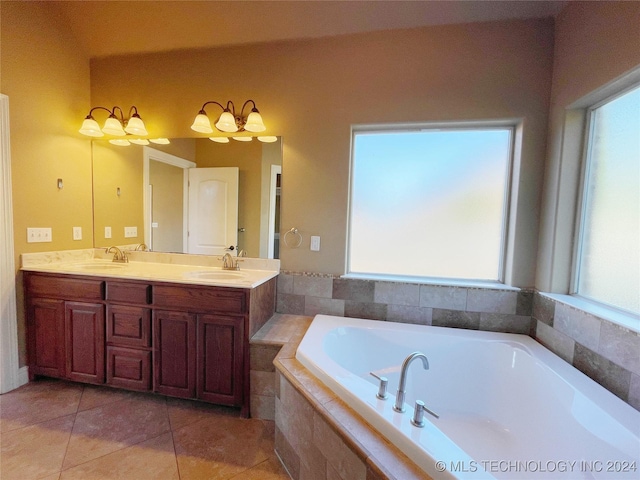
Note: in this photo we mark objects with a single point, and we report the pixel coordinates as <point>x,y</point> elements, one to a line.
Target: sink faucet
<point>142,247</point>
<point>399,405</point>
<point>118,255</point>
<point>228,263</point>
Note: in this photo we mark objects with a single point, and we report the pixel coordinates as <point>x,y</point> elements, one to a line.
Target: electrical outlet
<point>107,232</point>
<point>39,235</point>
<point>315,243</point>
<point>77,233</point>
<point>130,232</point>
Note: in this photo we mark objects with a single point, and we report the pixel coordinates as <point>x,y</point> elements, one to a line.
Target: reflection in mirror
<point>148,188</point>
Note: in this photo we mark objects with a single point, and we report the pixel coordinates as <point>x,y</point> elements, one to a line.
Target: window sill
<point>626,320</point>
<point>442,282</point>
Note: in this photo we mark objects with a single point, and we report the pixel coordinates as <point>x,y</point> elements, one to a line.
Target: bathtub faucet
<point>399,405</point>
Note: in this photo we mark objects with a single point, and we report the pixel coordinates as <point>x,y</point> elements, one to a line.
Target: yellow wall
<point>116,168</point>
<point>46,76</point>
<point>311,92</point>
<point>596,42</point>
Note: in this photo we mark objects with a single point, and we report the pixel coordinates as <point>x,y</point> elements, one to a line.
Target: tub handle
<point>382,389</point>
<point>418,414</point>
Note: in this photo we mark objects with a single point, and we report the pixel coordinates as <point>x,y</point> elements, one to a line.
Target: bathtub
<point>508,408</point>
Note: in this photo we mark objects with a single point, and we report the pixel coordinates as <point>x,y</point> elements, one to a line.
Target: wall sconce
<point>114,125</point>
<point>229,121</point>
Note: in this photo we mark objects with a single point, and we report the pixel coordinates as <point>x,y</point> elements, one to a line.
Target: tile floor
<point>56,430</point>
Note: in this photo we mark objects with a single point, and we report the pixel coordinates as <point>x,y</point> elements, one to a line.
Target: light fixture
<point>268,139</point>
<point>219,139</point>
<point>242,139</point>
<point>230,121</point>
<point>116,124</point>
<point>160,141</point>
<point>121,142</point>
<point>139,141</point>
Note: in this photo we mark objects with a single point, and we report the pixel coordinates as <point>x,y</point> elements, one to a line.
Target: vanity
<point>172,329</point>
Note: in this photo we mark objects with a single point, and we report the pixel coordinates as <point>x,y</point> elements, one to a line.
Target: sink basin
<point>102,266</point>
<point>208,275</point>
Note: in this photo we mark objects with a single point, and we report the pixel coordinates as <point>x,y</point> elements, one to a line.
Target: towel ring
<point>298,235</point>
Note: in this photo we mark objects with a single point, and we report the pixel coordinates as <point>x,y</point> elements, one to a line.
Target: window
<point>607,267</point>
<point>430,203</point>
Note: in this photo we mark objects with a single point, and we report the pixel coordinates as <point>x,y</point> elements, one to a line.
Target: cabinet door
<point>84,342</point>
<point>220,359</point>
<point>129,368</point>
<point>174,353</point>
<point>45,327</point>
<point>128,326</point>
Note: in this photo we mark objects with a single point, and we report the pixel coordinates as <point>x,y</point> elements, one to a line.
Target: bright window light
<point>430,203</point>
<point>608,260</point>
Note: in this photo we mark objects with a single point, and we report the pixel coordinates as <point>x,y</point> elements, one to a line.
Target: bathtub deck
<point>316,430</point>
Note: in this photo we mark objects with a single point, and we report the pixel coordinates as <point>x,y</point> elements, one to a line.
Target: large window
<point>608,253</point>
<point>430,202</point>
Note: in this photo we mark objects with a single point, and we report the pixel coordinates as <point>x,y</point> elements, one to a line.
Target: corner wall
<point>46,78</point>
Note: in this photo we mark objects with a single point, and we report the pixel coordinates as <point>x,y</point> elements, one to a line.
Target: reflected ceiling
<point>105,28</point>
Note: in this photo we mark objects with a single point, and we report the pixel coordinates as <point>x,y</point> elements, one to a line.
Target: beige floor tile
<point>103,430</point>
<point>185,412</point>
<point>35,451</point>
<point>38,402</point>
<point>97,396</point>
<point>222,447</point>
<point>150,460</point>
<point>270,469</point>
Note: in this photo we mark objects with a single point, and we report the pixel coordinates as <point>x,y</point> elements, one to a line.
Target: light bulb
<point>90,128</point>
<point>201,123</point>
<point>254,122</point>
<point>243,139</point>
<point>113,127</point>
<point>120,142</point>
<point>139,141</point>
<point>160,141</point>
<point>219,139</point>
<point>227,122</point>
<point>135,126</point>
<point>268,139</point>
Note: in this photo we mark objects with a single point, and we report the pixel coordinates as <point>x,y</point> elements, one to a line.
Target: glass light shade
<point>202,124</point>
<point>268,139</point>
<point>113,127</point>
<point>243,139</point>
<point>160,141</point>
<point>139,141</point>
<point>227,122</point>
<point>254,122</point>
<point>135,126</point>
<point>219,139</point>
<point>90,128</point>
<point>120,142</point>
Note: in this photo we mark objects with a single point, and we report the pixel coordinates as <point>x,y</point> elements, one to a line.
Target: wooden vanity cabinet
<point>182,340</point>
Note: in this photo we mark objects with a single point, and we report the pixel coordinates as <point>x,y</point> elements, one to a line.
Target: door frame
<point>11,375</point>
<point>273,181</point>
<point>148,154</point>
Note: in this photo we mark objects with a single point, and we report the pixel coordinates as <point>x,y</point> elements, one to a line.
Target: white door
<point>213,210</point>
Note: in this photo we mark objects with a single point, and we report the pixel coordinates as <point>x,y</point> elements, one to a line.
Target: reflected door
<point>213,210</point>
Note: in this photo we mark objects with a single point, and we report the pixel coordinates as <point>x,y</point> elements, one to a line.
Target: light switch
<point>315,243</point>
<point>130,232</point>
<point>107,232</point>
<point>77,233</point>
<point>39,235</point>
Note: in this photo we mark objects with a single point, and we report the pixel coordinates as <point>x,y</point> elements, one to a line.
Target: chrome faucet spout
<point>399,405</point>
<point>228,263</point>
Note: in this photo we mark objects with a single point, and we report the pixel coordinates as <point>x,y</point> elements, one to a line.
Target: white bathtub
<point>508,407</point>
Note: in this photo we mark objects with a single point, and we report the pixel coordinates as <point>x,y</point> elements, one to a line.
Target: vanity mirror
<point>142,194</point>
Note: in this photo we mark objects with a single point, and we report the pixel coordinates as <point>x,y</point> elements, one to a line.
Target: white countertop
<point>86,265</point>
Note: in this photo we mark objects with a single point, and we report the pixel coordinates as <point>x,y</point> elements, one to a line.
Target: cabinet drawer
<point>64,288</point>
<point>200,299</point>
<point>127,292</point>
<point>129,326</point>
<point>129,368</point>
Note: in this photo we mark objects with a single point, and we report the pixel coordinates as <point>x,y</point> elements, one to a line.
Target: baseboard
<point>23,376</point>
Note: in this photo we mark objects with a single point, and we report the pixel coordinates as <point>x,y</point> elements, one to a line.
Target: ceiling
<point>106,28</point>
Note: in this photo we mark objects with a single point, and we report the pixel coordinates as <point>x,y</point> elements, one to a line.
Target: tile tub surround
<point>317,435</point>
<point>604,351</point>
